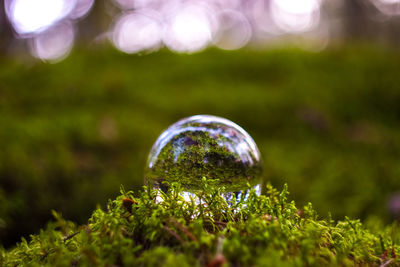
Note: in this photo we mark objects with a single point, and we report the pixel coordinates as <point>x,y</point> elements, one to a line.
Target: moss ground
<point>258,231</point>
<point>327,124</point>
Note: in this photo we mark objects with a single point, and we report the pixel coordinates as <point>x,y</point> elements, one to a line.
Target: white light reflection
<point>134,32</point>
<point>295,15</point>
<point>54,44</point>
<point>31,16</point>
<point>234,31</point>
<point>190,29</point>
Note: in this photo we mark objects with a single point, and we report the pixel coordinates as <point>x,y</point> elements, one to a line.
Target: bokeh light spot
<point>295,15</point>
<point>31,16</point>
<point>54,44</point>
<point>190,29</point>
<point>234,30</point>
<point>137,31</point>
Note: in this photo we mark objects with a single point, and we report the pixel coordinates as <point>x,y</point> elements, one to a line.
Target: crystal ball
<point>205,146</point>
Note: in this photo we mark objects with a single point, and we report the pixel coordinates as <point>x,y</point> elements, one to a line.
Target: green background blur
<point>326,123</point>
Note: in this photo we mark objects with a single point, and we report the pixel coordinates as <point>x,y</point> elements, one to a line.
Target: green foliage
<point>266,230</point>
<point>326,123</point>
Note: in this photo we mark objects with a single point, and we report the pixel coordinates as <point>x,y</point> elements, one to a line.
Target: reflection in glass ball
<point>205,146</point>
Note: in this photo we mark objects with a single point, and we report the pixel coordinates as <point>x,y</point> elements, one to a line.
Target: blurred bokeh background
<point>87,86</point>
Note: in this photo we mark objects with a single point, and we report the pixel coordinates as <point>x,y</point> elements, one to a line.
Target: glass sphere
<point>205,146</point>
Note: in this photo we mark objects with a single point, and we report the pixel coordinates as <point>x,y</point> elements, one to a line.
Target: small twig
<point>70,236</point>
<point>386,263</point>
<point>173,233</point>
<point>220,244</point>
<point>183,229</point>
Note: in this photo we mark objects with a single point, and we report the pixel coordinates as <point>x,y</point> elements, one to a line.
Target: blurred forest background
<point>87,86</point>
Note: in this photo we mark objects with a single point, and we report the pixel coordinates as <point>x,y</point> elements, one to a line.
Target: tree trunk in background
<point>356,21</point>
<point>6,32</point>
<point>362,21</point>
<point>97,23</point>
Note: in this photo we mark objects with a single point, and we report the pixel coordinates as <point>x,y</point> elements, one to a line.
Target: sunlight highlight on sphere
<point>190,29</point>
<point>134,32</point>
<point>296,15</point>
<point>234,30</point>
<point>54,44</point>
<point>31,16</point>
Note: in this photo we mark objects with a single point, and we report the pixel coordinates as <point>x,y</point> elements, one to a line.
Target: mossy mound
<point>266,230</point>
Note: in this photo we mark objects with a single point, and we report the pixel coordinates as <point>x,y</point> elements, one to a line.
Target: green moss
<point>191,155</point>
<point>266,230</point>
